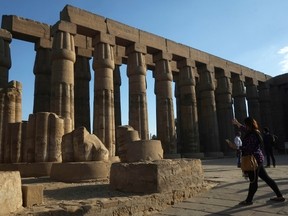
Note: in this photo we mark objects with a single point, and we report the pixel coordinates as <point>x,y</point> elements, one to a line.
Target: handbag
<point>248,163</point>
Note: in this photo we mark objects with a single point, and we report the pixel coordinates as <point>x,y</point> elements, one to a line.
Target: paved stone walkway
<point>231,189</point>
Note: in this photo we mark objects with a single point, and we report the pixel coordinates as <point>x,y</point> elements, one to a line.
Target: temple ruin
<point>209,90</point>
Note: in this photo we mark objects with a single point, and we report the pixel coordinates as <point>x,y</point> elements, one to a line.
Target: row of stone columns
<point>204,109</point>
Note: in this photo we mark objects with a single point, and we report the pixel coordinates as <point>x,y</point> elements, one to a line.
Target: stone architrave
<point>239,98</point>
<point>42,71</point>
<point>188,121</point>
<point>5,56</point>
<point>136,72</point>
<point>224,109</point>
<point>81,146</point>
<point>209,134</point>
<point>164,103</point>
<point>43,139</point>
<point>82,76</point>
<point>104,113</point>
<point>265,105</point>
<point>253,99</point>
<point>62,80</point>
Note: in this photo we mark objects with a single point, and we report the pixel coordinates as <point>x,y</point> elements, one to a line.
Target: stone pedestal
<point>29,169</point>
<point>156,177</point>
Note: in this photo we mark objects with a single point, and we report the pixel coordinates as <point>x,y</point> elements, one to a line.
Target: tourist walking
<point>269,140</point>
<point>251,145</point>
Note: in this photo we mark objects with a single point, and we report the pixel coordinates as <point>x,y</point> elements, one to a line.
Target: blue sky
<point>253,33</point>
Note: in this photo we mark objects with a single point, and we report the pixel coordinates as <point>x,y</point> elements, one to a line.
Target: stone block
<point>178,49</point>
<point>81,171</point>
<point>122,31</point>
<point>88,22</point>
<point>152,40</point>
<point>158,176</point>
<point>25,29</point>
<point>28,169</point>
<point>32,195</point>
<point>10,192</point>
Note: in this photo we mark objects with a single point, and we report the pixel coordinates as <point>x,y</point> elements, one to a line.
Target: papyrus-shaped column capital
<point>187,72</point>
<point>238,89</point>
<point>63,41</point>
<point>251,88</point>
<point>5,56</point>
<point>224,85</point>
<point>207,81</point>
<point>163,71</point>
<point>103,57</point>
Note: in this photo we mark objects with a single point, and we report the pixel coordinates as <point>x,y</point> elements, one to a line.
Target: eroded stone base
<point>29,169</point>
<point>81,171</point>
<point>157,176</point>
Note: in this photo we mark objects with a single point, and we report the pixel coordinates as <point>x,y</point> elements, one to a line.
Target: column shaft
<point>117,95</point>
<point>239,94</point>
<point>136,71</point>
<point>82,78</point>
<point>209,134</point>
<point>253,100</point>
<point>265,105</point>
<point>42,71</point>
<point>104,118</point>
<point>63,58</point>
<point>224,110</point>
<point>189,129</point>
<point>164,104</point>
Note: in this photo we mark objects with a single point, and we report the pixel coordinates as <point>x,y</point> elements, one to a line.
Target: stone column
<point>117,95</point>
<point>43,139</point>
<point>253,99</point>
<point>15,138</point>
<point>5,56</point>
<point>189,128</point>
<point>209,134</point>
<point>224,109</point>
<point>62,85</point>
<point>136,72</point>
<point>265,105</point>
<point>2,123</point>
<point>12,113</point>
<point>164,103</point>
<point>103,65</point>
<point>42,72</point>
<point>239,97</point>
<point>82,77</point>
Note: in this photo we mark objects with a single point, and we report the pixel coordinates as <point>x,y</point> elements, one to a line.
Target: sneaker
<point>245,203</point>
<point>277,199</point>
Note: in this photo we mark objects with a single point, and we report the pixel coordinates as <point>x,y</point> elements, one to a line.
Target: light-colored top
<point>238,142</point>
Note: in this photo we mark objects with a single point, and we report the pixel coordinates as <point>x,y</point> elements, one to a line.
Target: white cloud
<point>284,63</point>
